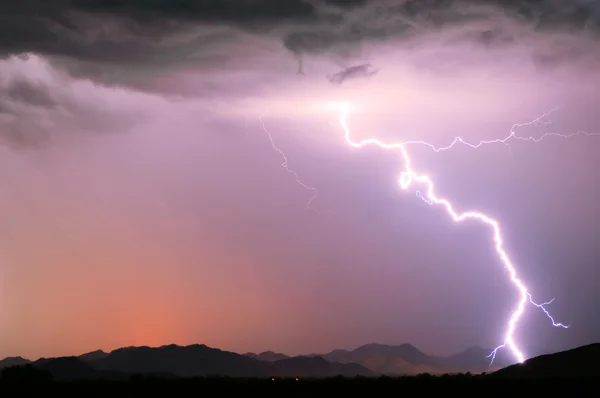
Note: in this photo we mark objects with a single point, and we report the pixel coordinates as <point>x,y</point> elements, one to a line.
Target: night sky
<point>142,203</point>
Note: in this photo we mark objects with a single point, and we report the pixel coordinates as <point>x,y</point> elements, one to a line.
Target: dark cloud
<point>156,14</point>
<point>347,3</point>
<point>37,101</point>
<point>114,41</point>
<point>553,14</point>
<point>125,42</point>
<point>237,12</point>
<point>135,31</point>
<point>364,70</point>
<point>378,20</point>
<point>29,92</point>
<point>69,27</point>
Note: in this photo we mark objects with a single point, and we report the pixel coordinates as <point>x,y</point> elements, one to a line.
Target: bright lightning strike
<point>409,176</point>
<point>286,167</point>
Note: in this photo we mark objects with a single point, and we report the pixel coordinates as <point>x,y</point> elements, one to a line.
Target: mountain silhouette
<point>268,356</point>
<point>578,362</point>
<point>92,356</point>
<point>68,368</point>
<point>406,359</point>
<point>200,360</point>
<point>13,361</point>
<point>190,361</point>
<point>193,360</point>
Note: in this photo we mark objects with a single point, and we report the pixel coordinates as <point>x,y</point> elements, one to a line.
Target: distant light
<point>337,106</point>
<point>297,379</point>
<point>272,379</point>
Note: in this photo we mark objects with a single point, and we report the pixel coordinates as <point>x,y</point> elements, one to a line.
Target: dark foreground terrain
<point>426,386</point>
<point>571,373</point>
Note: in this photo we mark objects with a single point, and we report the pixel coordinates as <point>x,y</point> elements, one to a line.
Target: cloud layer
<point>158,34</point>
<point>162,46</point>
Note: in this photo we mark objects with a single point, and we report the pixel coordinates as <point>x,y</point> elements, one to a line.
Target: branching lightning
<point>511,136</point>
<point>287,168</point>
<point>409,176</point>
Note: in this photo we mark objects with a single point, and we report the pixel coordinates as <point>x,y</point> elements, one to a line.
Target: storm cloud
<point>143,45</point>
<point>112,38</point>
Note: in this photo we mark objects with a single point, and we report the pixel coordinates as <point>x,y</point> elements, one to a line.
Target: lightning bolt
<point>408,176</point>
<point>287,168</point>
<point>511,136</point>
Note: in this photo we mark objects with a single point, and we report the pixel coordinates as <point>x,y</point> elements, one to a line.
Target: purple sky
<point>142,203</point>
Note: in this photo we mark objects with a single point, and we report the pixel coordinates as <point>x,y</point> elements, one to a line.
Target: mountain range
<point>405,359</point>
<point>200,360</point>
<point>174,361</point>
<point>132,372</point>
